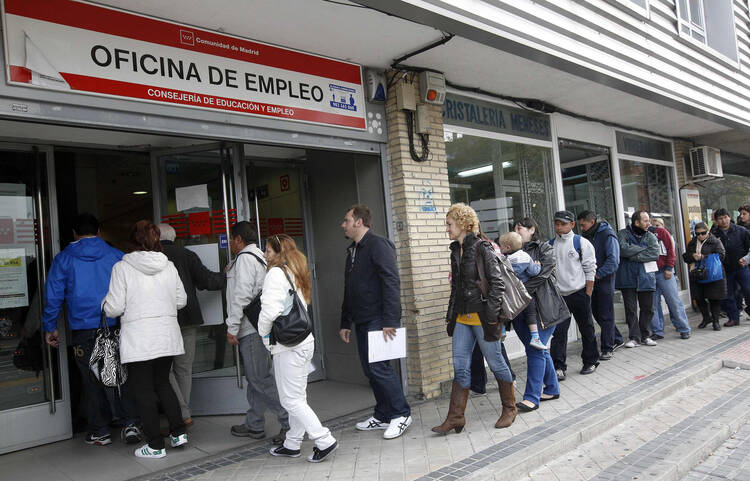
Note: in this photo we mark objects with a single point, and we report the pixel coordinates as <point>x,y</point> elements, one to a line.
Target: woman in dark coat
<point>473,318</point>
<point>541,380</point>
<point>701,246</point>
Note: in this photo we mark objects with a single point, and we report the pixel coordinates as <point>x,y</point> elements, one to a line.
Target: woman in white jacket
<point>291,365</point>
<point>145,289</point>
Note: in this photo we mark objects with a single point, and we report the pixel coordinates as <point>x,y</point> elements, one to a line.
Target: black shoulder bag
<point>293,328</point>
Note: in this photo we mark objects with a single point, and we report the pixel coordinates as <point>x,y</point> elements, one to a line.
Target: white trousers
<point>290,370</point>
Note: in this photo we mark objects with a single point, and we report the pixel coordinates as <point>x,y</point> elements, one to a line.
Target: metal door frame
<point>57,425</point>
<point>203,400</point>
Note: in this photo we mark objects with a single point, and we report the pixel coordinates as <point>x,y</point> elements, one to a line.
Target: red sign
<point>81,47</point>
<point>200,223</point>
<point>275,226</point>
<point>284,183</point>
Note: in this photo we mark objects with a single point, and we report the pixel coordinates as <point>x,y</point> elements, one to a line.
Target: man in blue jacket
<point>736,242</point>
<point>79,276</point>
<point>636,279</point>
<point>372,302</point>
<point>604,239</point>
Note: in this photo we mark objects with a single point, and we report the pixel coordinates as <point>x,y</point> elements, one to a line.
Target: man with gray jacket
<point>245,277</point>
<point>576,270</point>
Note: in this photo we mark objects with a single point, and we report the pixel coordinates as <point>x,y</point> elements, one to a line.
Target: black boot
<point>706,321</point>
<point>706,317</point>
<point>717,326</point>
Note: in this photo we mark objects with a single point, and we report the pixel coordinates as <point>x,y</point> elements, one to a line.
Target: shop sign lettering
<point>83,47</point>
<point>479,114</point>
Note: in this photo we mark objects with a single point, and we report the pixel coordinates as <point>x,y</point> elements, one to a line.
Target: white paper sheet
<point>192,196</point>
<point>380,350</point>
<point>651,266</point>
<point>210,301</point>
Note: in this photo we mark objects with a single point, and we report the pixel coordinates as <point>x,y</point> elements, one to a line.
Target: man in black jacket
<point>372,302</point>
<point>193,274</point>
<point>736,242</point>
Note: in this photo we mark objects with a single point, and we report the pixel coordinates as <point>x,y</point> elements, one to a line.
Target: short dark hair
<point>587,215</point>
<point>85,224</point>
<point>745,207</point>
<point>361,211</point>
<point>246,231</point>
<point>636,216</point>
<point>528,222</point>
<point>145,236</point>
<point>721,212</point>
<point>700,225</point>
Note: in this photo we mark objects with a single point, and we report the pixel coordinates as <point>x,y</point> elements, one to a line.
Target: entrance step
<point>665,439</point>
<point>731,461</point>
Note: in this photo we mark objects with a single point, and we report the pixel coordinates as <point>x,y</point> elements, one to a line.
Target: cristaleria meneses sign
<point>86,48</point>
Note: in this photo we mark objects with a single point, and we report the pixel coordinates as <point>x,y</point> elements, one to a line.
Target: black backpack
<point>252,310</point>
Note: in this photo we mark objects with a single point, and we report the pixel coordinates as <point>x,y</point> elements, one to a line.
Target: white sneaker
<point>397,427</point>
<point>146,452</point>
<point>371,424</point>
<point>178,440</point>
<point>649,342</point>
<point>538,344</point>
<point>632,343</point>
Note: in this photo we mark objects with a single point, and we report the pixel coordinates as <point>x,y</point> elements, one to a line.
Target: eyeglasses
<point>701,233</point>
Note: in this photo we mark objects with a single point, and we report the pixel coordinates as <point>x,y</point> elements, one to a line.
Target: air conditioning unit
<point>705,162</point>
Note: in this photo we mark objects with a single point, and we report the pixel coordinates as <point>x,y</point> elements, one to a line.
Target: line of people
<point>152,290</point>
<point>576,275</point>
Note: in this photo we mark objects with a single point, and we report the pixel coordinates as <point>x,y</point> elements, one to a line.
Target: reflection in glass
<point>193,203</point>
<point>502,181</point>
<point>24,374</point>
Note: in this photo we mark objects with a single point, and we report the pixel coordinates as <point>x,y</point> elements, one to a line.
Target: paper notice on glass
<point>210,301</point>
<point>380,350</point>
<point>14,290</point>
<point>651,266</point>
<point>191,197</point>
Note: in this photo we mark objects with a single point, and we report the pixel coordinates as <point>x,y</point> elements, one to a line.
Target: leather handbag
<point>104,364</point>
<point>293,328</point>
<point>515,297</point>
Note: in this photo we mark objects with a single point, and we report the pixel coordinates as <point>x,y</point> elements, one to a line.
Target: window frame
<point>631,5</point>
<point>689,39</point>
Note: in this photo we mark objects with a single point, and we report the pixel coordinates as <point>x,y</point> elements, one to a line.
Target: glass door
<point>587,179</point>
<point>34,396</point>
<point>196,197</point>
<point>276,196</point>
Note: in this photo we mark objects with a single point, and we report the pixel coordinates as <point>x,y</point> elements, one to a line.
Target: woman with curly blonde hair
<point>287,273</point>
<point>472,318</point>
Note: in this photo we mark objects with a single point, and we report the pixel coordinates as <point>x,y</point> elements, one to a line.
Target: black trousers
<point>149,385</point>
<point>639,323</point>
<point>579,304</point>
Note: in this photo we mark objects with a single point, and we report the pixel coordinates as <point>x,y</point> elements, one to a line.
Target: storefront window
<point>502,181</point>
<point>650,187</point>
<point>729,192</point>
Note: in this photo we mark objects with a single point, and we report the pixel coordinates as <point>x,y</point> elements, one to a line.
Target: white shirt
<point>573,270</point>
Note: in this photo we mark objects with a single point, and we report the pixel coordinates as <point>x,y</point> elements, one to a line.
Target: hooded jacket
<point>146,291</point>
<point>573,269</point>
<point>607,250</point>
<point>635,250</point>
<point>736,242</point>
<point>79,276</point>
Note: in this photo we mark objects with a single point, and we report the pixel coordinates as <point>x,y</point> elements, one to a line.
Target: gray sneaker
<point>560,374</point>
<point>243,431</point>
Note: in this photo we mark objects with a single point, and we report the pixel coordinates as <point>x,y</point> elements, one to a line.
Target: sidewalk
<point>420,453</point>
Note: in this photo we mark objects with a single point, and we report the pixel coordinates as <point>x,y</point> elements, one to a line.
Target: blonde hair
<point>465,217</point>
<point>658,221</point>
<point>512,240</point>
<point>288,255</point>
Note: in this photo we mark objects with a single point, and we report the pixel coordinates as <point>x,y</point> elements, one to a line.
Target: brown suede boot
<point>508,400</point>
<point>455,419</point>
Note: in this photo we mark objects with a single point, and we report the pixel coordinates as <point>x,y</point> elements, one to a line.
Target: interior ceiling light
<point>479,170</point>
<point>140,192</point>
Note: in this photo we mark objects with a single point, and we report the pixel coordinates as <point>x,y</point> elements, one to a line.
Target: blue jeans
<point>540,370</point>
<point>390,402</point>
<point>668,288</point>
<point>464,338</point>
<point>739,277</point>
